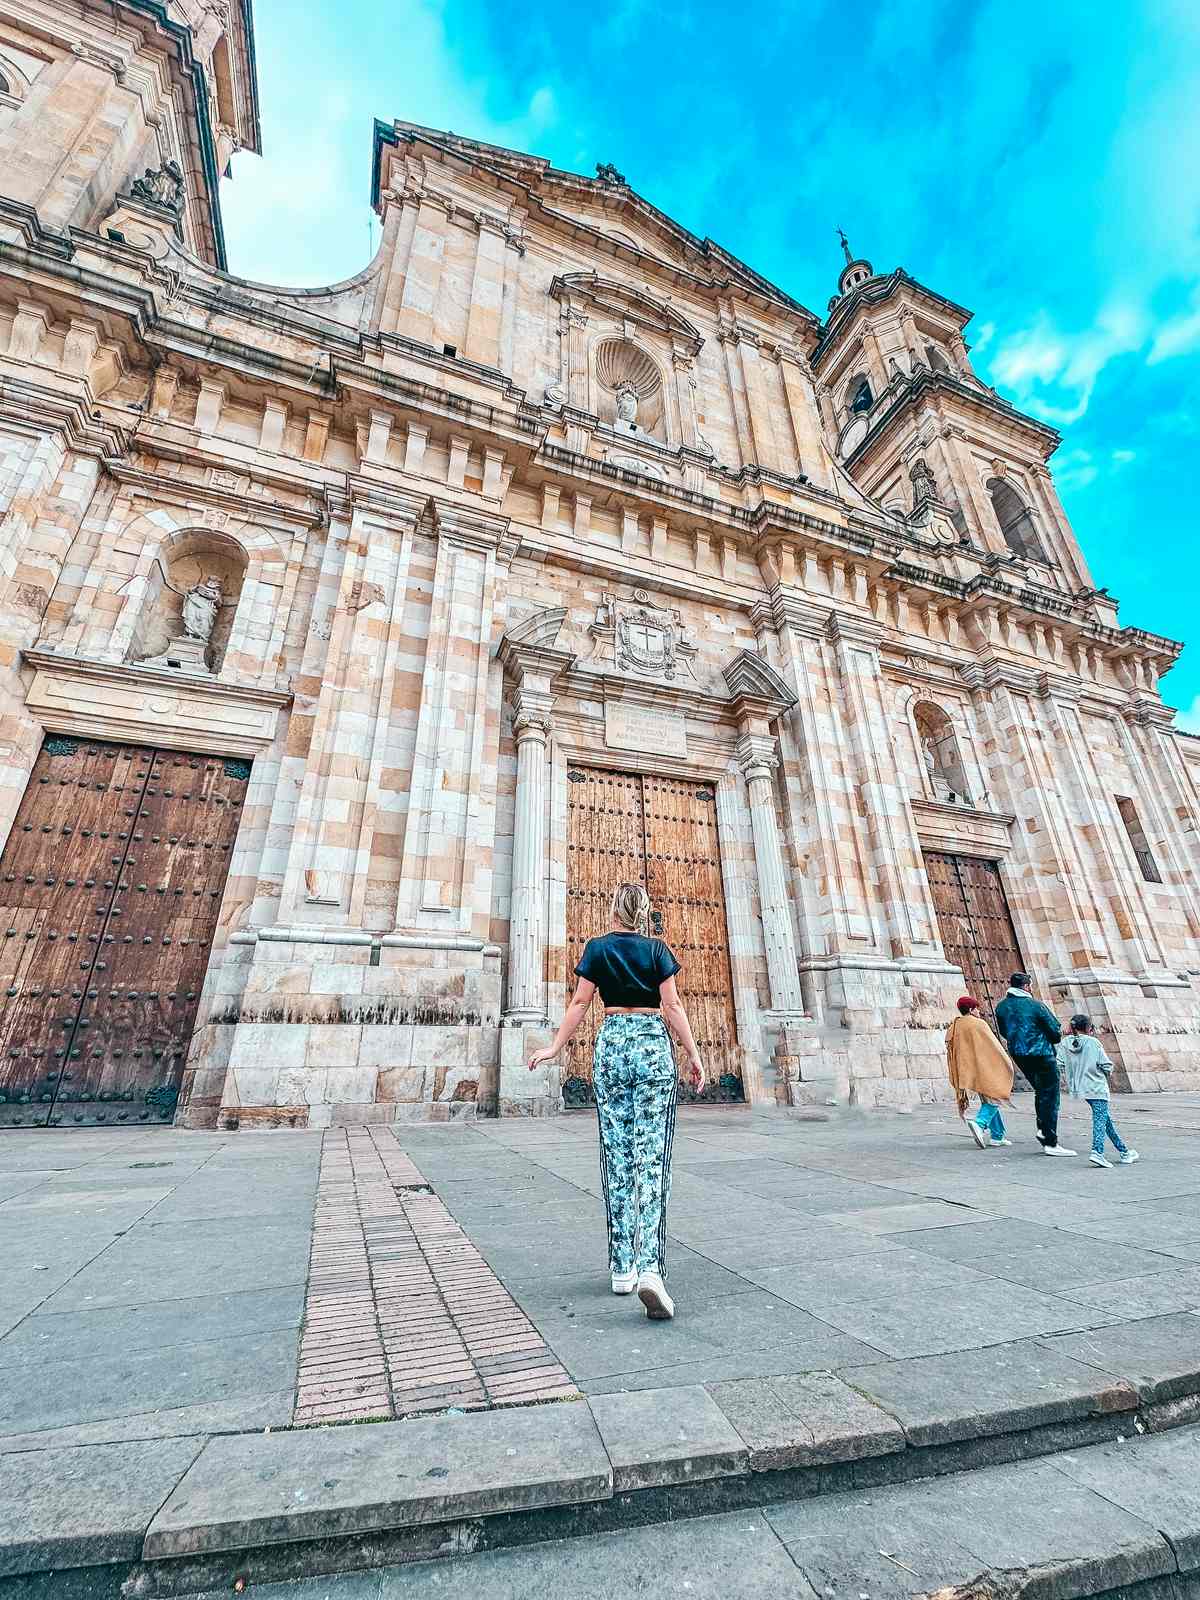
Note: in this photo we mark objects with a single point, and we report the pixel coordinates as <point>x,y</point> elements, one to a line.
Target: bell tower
<point>911,421</point>
<point>124,114</point>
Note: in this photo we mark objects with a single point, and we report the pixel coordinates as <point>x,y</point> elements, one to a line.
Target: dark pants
<point>1042,1073</point>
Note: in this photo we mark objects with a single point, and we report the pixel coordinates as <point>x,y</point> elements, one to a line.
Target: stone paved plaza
<point>161,1276</point>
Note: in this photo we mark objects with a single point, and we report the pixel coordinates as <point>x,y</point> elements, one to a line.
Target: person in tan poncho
<point>979,1064</point>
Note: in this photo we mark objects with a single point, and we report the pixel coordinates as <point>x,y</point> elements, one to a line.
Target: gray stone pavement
<point>153,1281</point>
<point>1120,1518</point>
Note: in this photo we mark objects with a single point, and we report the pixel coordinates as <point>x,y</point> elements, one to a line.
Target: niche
<point>940,755</point>
<point>631,390</point>
<point>192,593</point>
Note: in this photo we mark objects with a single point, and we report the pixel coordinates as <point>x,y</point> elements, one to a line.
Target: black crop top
<point>627,968</point>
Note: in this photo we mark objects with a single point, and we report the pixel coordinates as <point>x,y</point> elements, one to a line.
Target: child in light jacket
<point>1088,1068</point>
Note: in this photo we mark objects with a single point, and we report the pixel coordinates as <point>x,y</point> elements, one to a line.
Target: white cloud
<point>1178,336</point>
<point>1053,373</point>
<point>1189,719</point>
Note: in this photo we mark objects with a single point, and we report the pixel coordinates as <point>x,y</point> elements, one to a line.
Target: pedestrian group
<point>1032,1040</point>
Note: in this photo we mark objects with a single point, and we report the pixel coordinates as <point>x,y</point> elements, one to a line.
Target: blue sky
<point>1037,162</point>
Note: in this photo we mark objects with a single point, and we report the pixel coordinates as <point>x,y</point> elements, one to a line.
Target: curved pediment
<point>748,676</point>
<point>626,304</point>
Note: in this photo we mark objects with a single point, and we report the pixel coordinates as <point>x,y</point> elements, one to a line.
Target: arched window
<point>861,398</point>
<point>1016,521</point>
<point>5,86</point>
<point>939,750</point>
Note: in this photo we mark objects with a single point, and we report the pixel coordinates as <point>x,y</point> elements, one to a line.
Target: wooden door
<point>110,885</point>
<point>976,927</point>
<point>661,832</point>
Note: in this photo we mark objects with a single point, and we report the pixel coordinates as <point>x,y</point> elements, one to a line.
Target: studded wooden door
<point>662,832</point>
<point>976,927</point>
<point>110,885</point>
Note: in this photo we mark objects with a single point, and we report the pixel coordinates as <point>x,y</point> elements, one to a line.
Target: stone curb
<point>189,1514</point>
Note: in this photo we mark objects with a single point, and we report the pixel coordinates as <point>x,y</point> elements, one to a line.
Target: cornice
<point>926,382</point>
<point>97,671</point>
<point>29,408</point>
<point>159,488</point>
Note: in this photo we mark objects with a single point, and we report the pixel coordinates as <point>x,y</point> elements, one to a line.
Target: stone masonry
<point>550,481</point>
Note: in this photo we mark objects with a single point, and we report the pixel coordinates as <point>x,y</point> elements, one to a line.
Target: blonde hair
<point>631,907</point>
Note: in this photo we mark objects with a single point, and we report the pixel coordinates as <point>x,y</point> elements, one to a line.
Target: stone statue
<point>937,781</point>
<point>160,187</point>
<point>924,487</point>
<point>627,409</point>
<point>201,604</point>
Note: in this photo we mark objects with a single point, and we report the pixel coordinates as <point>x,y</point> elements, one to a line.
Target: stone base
<point>182,655</point>
<point>523,1093</point>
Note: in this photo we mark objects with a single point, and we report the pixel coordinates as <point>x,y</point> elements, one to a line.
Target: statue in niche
<point>937,779</point>
<point>627,409</point>
<point>201,607</point>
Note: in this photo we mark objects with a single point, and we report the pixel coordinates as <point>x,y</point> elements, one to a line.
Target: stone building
<point>355,641</point>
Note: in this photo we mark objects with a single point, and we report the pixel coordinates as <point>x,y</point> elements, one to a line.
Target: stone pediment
<point>626,305</point>
<point>749,677</point>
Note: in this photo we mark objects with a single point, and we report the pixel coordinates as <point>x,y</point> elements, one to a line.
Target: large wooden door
<point>976,927</point>
<point>661,832</point>
<point>110,884</point>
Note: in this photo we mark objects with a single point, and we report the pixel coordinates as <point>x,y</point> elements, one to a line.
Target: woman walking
<point>636,1087</point>
<point>979,1064</point>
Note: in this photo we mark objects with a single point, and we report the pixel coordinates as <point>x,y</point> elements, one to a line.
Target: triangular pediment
<point>749,676</point>
<point>606,205</point>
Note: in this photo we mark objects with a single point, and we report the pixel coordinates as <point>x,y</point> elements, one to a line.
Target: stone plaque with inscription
<point>633,727</point>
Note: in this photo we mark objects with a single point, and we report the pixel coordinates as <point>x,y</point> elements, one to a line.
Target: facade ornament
<point>160,187</point>
<point>636,636</point>
<point>627,409</point>
<point>628,463</point>
<point>606,173</point>
<point>201,606</point>
<point>922,479</point>
<point>554,394</point>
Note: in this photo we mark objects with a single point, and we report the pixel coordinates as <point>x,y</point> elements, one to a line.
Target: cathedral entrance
<point>110,884</point>
<point>976,927</point>
<point>623,827</point>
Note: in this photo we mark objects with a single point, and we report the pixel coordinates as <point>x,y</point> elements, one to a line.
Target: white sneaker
<point>1098,1161</point>
<point>980,1135</point>
<point>1056,1150</point>
<point>624,1282</point>
<point>999,1144</point>
<point>1128,1157</point>
<point>652,1292</point>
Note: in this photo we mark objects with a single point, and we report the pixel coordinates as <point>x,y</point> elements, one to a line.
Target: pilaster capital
<point>477,529</point>
<point>1147,711</point>
<point>845,628</point>
<point>757,755</point>
<point>531,723</point>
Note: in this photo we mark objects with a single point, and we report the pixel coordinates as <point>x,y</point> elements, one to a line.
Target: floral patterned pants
<point>636,1092</point>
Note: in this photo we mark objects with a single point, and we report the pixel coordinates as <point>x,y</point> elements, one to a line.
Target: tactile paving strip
<point>402,1313</point>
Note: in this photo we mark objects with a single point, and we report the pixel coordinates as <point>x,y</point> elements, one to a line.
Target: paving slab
<point>821,1354</point>
<point>806,1420</point>
<point>663,1436</point>
<point>972,1393</point>
<point>1158,1479</point>
<point>248,1413</point>
<point>971,1526</point>
<point>44,1393</point>
<point>1160,1355</point>
<point>67,1335</point>
<point>322,1482</point>
<point>87,1506</point>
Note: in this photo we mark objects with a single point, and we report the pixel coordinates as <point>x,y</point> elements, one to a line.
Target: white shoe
<point>999,1144</point>
<point>1128,1157</point>
<point>980,1135</point>
<point>624,1282</point>
<point>1098,1161</point>
<point>1056,1150</point>
<point>652,1292</point>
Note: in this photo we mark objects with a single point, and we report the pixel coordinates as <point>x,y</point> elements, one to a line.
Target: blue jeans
<point>636,1091</point>
<point>989,1119</point>
<point>1102,1126</point>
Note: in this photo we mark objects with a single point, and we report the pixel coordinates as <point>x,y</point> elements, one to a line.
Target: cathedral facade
<point>354,642</point>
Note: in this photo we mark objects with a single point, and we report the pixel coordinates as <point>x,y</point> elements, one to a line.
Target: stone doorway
<point>660,831</point>
<point>110,885</point>
<point>975,922</point>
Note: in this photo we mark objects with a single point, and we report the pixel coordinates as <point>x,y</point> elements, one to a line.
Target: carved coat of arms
<point>642,638</point>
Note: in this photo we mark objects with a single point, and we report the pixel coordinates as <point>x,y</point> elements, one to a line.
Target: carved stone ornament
<point>631,463</point>
<point>160,187</point>
<point>201,605</point>
<point>607,173</point>
<point>637,637</point>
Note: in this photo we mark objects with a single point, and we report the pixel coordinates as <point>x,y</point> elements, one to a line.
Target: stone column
<point>758,757</point>
<point>531,662</point>
<point>527,918</point>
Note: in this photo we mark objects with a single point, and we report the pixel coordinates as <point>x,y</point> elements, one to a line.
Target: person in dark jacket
<point>1031,1031</point>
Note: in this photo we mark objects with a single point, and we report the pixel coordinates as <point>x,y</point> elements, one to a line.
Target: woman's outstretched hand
<point>695,1072</point>
<point>539,1057</point>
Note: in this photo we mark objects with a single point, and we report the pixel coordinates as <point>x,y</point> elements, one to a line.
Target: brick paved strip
<point>402,1314</point>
